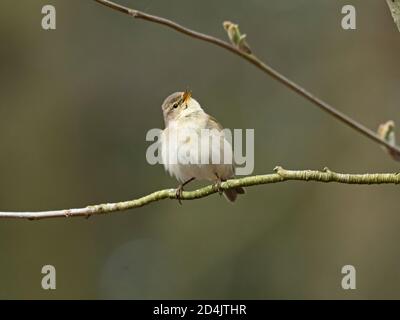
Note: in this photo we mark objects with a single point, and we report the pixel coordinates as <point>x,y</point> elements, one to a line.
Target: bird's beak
<point>186,96</point>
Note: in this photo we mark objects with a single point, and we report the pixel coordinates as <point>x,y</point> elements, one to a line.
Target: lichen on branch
<point>280,175</point>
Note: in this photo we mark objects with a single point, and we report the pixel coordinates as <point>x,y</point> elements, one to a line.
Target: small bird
<point>184,116</point>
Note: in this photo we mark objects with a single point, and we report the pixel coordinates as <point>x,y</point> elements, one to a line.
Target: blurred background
<point>75,106</point>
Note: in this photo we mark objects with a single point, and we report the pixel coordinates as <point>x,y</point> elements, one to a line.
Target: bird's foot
<point>179,190</point>
<point>217,186</point>
<point>178,193</point>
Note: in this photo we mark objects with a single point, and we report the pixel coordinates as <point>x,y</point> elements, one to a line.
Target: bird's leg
<point>218,184</point>
<point>179,190</point>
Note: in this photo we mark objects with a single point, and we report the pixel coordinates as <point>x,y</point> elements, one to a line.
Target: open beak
<point>186,96</point>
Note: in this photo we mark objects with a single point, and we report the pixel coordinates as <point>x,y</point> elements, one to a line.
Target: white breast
<point>185,135</point>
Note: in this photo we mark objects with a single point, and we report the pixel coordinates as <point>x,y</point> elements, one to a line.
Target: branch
<point>260,65</point>
<point>394,6</point>
<point>280,175</point>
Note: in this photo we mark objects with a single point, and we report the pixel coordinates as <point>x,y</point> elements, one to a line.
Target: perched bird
<point>184,134</point>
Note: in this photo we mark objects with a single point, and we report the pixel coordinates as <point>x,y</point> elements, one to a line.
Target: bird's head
<point>179,104</point>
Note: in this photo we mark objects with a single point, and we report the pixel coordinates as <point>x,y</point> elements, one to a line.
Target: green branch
<point>280,175</point>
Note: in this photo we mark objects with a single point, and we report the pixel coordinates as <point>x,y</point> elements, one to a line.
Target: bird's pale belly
<point>192,167</point>
<point>209,172</point>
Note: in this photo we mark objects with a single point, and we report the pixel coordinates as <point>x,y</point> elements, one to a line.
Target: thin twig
<point>280,175</point>
<point>259,64</point>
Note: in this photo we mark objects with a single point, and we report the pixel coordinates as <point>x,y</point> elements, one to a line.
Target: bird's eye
<point>175,105</point>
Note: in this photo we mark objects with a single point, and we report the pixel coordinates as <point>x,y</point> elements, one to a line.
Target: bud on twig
<point>236,38</point>
<point>386,132</point>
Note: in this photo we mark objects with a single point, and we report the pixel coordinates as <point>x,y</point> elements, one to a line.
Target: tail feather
<point>231,194</point>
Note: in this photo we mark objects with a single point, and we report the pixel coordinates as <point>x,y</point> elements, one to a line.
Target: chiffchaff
<point>188,128</point>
